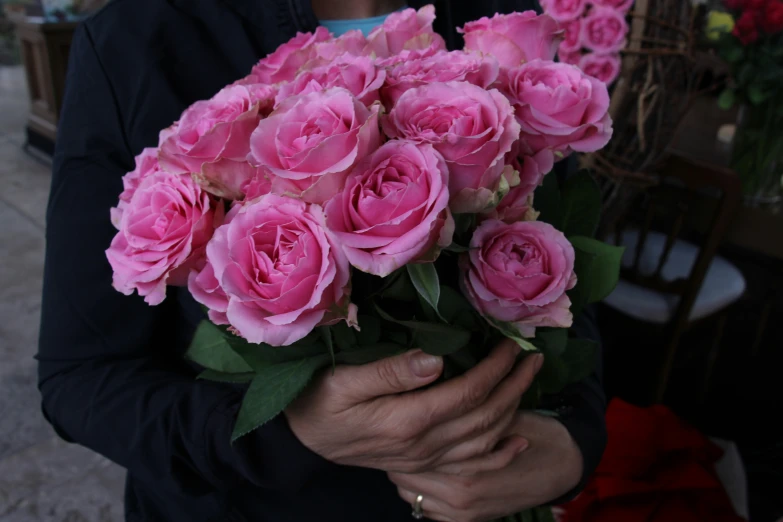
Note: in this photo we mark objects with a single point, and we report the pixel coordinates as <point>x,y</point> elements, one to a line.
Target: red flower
<point>772,21</point>
<point>735,5</point>
<point>745,29</point>
<point>756,5</point>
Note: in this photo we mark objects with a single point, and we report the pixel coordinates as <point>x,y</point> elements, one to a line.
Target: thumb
<point>390,376</point>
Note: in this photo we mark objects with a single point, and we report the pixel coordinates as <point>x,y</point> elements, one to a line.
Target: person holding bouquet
<point>363,442</point>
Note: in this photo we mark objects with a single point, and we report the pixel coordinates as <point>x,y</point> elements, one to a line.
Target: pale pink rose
<point>258,186</point>
<point>283,64</point>
<point>519,273</point>
<point>619,5</point>
<point>212,139</point>
<point>605,67</point>
<point>163,233</point>
<point>604,30</point>
<point>409,55</point>
<point>559,107</point>
<point>573,36</point>
<point>206,290</point>
<point>353,43</point>
<point>481,70</point>
<point>570,58</point>
<point>564,10</point>
<point>394,209</point>
<point>357,74</point>
<point>514,38</point>
<point>405,30</point>
<point>280,269</point>
<point>146,164</point>
<point>312,141</point>
<point>473,128</point>
<point>517,205</point>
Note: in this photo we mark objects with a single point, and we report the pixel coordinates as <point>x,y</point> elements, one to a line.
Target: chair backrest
<point>689,196</point>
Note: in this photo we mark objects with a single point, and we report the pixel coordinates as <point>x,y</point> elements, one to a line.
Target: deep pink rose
<point>394,209</point>
<point>357,74</point>
<point>258,186</point>
<point>473,128</point>
<point>212,139</point>
<point>517,205</point>
<point>570,58</point>
<point>280,270</point>
<point>604,30</point>
<point>519,273</point>
<point>283,64</point>
<point>163,232</point>
<point>405,30</point>
<point>559,107</point>
<point>444,66</point>
<point>564,10</point>
<point>605,67</point>
<point>619,5</point>
<point>146,165</point>
<point>311,142</point>
<point>514,38</point>
<point>573,37</point>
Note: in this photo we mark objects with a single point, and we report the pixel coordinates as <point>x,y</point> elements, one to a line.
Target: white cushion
<point>722,285</point>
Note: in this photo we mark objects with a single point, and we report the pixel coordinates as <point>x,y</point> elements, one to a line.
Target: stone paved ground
<point>41,477</point>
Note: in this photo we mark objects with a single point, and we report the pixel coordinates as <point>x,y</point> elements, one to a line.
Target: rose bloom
<point>352,42</point>
<point>519,273</point>
<point>604,30</point>
<point>409,55</point>
<point>473,128</point>
<point>394,209</point>
<point>276,272</point>
<point>746,28</point>
<point>570,58</point>
<point>559,107</point>
<point>514,38</point>
<point>283,64</point>
<point>605,67</point>
<point>163,232</point>
<point>573,37</point>
<point>517,205</point>
<point>146,165</point>
<point>480,70</point>
<point>618,5</point>
<point>564,10</point>
<point>357,74</point>
<point>772,20</point>
<point>211,139</point>
<point>312,141</point>
<point>405,30</point>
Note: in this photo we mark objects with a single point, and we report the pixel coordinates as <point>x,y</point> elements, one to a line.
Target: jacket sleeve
<point>108,374</point>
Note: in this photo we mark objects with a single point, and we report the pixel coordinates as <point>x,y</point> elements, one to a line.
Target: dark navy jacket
<point>112,374</point>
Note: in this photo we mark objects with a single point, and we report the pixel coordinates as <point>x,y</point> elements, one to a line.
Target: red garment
<point>656,468</point>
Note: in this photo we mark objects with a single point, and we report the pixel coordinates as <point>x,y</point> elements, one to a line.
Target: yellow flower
<point>718,22</point>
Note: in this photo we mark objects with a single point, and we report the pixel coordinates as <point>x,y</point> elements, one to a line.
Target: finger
<point>389,376</point>
<point>431,507</point>
<point>462,394</point>
<point>478,432</point>
<point>502,457</point>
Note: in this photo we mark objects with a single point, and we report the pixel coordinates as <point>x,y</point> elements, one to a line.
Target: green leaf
<point>581,358</point>
<point>455,309</point>
<point>727,98</point>
<point>210,349</point>
<point>370,332</point>
<point>235,378</point>
<point>368,354</point>
<point>544,514</point>
<point>463,224</point>
<point>424,277</point>
<point>272,390</point>
<point>261,356</point>
<point>581,205</point>
<point>597,268</point>
<point>344,336</point>
<point>745,74</point>
<point>457,249</point>
<point>553,376</point>
<point>549,202</point>
<point>326,335</point>
<point>756,95</point>
<point>733,53</point>
<point>511,331</point>
<point>401,289</point>
<point>552,341</point>
<point>433,338</point>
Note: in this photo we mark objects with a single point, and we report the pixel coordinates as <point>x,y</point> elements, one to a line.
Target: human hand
<point>375,416</point>
<point>542,463</point>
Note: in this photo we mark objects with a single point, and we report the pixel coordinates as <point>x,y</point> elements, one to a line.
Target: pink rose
<point>604,30</point>
<point>357,74</point>
<point>409,55</point>
<point>394,209</point>
<point>573,37</point>
<point>146,165</point>
<point>564,10</point>
<point>283,64</point>
<point>211,139</point>
<point>559,107</point>
<point>206,290</point>
<point>441,67</point>
<point>519,273</point>
<point>353,43</point>
<point>311,142</point>
<point>619,5</point>
<point>405,30</point>
<point>163,232</point>
<point>280,270</point>
<point>517,205</point>
<point>570,58</point>
<point>514,38</point>
<point>473,128</point>
<point>605,67</point>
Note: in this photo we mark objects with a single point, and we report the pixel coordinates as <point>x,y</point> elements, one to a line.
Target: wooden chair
<point>666,279</point>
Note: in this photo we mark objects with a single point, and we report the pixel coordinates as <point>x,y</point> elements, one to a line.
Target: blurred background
<point>692,188</point>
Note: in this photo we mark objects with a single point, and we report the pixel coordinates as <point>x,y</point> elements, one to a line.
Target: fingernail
<point>523,445</point>
<point>425,365</point>
<point>539,362</point>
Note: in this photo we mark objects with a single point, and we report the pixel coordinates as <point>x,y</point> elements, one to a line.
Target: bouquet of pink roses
<point>355,197</point>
